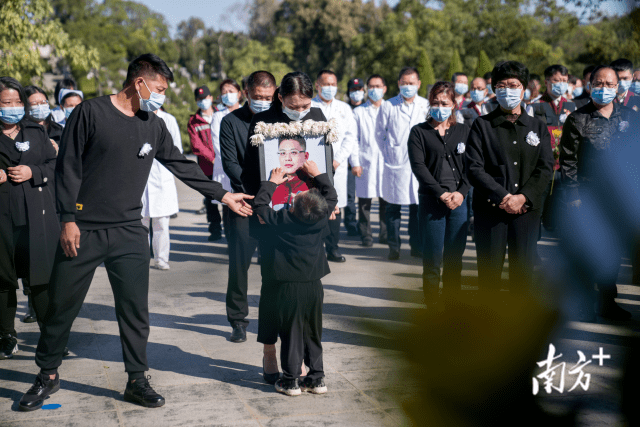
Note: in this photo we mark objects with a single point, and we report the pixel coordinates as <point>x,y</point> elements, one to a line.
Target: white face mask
<point>295,115</point>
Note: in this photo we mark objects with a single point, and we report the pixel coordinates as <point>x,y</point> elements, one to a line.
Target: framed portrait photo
<point>288,146</point>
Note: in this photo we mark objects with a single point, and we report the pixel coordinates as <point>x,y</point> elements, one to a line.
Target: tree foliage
<point>455,66</point>
<point>484,64</point>
<point>426,73</point>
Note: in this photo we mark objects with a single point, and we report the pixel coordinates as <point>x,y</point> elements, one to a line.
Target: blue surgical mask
<point>623,86</point>
<point>11,115</point>
<point>356,95</point>
<point>328,92</point>
<point>408,91</point>
<point>559,89</point>
<point>461,88</point>
<point>527,94</point>
<point>375,94</point>
<point>40,112</point>
<point>477,95</point>
<point>588,86</point>
<point>577,91</point>
<point>67,111</point>
<point>204,104</point>
<point>508,98</point>
<point>440,114</point>
<point>154,102</point>
<point>259,106</point>
<point>635,87</point>
<point>489,90</point>
<point>295,115</point>
<point>603,95</point>
<point>230,98</point>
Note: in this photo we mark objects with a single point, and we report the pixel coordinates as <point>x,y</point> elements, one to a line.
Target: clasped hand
<point>3,176</point>
<point>452,200</point>
<point>514,204</point>
<point>19,173</point>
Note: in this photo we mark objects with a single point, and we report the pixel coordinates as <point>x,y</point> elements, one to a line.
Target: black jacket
<point>582,100</point>
<point>251,171</point>
<point>546,112</point>
<point>427,149</point>
<point>234,134</point>
<point>8,278</point>
<point>585,136</point>
<point>299,254</point>
<point>503,157</point>
<point>44,227</point>
<point>55,131</point>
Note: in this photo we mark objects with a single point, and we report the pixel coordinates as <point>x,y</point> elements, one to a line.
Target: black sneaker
<point>367,243</point>
<point>140,392</point>
<point>239,333</point>
<point>393,255</point>
<point>313,386</point>
<point>288,387</point>
<point>8,346</point>
<point>611,310</point>
<point>42,388</point>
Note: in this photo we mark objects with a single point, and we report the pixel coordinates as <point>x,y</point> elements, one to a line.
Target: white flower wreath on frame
<point>264,131</point>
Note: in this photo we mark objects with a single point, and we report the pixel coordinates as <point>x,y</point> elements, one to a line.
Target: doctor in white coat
<point>160,199</point>
<point>218,172</point>
<point>327,87</point>
<point>367,153</point>
<point>399,187</point>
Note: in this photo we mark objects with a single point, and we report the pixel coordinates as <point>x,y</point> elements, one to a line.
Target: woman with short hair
<point>40,112</point>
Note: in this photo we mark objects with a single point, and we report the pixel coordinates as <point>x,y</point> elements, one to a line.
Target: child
<point>299,264</point>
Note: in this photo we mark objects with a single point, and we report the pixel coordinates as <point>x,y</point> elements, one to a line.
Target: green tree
<point>484,65</point>
<point>29,27</point>
<point>455,66</point>
<point>426,73</point>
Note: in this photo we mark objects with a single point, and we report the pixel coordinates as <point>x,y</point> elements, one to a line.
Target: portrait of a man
<point>292,153</point>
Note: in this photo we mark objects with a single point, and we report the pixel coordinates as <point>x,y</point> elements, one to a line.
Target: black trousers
<point>300,312</point>
<point>394,217</point>
<point>350,222</point>
<point>494,229</point>
<point>217,220</point>
<point>364,218</point>
<point>242,246</point>
<point>125,254</point>
<point>333,238</point>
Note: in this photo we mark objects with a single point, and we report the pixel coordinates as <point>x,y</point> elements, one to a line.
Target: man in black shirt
<point>105,157</point>
<point>234,137</point>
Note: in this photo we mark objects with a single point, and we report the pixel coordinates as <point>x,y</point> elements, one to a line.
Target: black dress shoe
<point>140,392</point>
<point>174,216</point>
<point>42,388</point>
<point>393,255</point>
<point>215,237</point>
<point>335,256</point>
<point>65,353</point>
<point>8,346</point>
<point>28,318</point>
<point>201,211</point>
<point>367,243</point>
<point>239,333</point>
<point>269,378</point>
<point>611,310</point>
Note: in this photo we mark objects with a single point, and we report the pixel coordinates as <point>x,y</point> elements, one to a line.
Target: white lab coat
<point>347,140</point>
<point>394,123</point>
<point>160,197</point>
<point>367,152</point>
<point>218,172</point>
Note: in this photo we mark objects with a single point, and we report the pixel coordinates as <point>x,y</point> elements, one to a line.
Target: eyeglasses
<point>35,104</point>
<point>600,85</point>
<point>511,86</point>
<point>292,152</point>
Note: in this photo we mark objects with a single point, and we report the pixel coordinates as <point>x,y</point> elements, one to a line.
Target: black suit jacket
<point>503,157</point>
<point>8,278</point>
<point>298,254</point>
<point>234,133</point>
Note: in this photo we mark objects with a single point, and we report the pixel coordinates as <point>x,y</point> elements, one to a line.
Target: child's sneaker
<point>313,386</point>
<point>288,387</point>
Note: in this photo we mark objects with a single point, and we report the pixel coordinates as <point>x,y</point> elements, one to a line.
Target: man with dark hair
<point>234,134</point>
<point>585,97</point>
<point>355,90</point>
<point>326,88</point>
<point>399,187</point>
<point>106,154</point>
<point>461,82</point>
<point>534,89</point>
<point>624,70</point>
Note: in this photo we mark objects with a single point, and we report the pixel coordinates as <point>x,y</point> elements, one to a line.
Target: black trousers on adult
<point>364,218</point>
<point>213,214</point>
<point>218,219</point>
<point>494,229</point>
<point>242,246</point>
<point>125,254</point>
<point>350,222</point>
<point>332,239</point>
<point>300,312</point>
<point>394,217</point>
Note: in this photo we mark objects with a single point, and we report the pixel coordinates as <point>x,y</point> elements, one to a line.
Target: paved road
<point>208,380</point>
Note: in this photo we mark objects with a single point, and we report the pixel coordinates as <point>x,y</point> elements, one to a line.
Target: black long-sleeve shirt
<point>298,254</point>
<point>234,134</point>
<point>101,172</point>
<point>428,152</point>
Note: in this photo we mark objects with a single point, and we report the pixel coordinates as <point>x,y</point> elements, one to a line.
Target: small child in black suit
<point>299,264</point>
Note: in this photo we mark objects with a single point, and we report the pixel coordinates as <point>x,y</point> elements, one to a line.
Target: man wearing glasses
<point>291,155</point>
<point>509,163</point>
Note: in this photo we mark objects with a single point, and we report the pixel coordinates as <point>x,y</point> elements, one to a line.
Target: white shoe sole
<point>288,392</point>
<point>315,390</point>
<point>14,351</point>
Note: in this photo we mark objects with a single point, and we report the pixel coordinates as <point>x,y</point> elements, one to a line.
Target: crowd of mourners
<point>493,159</point>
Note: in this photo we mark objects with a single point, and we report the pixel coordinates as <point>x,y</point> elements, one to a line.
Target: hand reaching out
<point>278,176</point>
<point>236,202</point>
<point>311,168</point>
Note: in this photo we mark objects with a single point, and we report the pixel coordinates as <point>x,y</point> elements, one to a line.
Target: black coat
<point>7,271</point>
<point>42,220</point>
<point>299,254</point>
<point>501,161</point>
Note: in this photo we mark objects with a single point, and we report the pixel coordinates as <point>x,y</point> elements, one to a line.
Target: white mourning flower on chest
<point>22,146</point>
<point>533,139</point>
<point>461,148</point>
<point>623,126</point>
<point>146,149</point>
<point>562,118</point>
